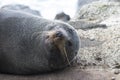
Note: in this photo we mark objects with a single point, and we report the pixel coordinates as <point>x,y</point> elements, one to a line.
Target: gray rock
<point>111,47</point>
<point>107,53</point>
<point>81,3</point>
<point>98,11</point>
<point>21,7</point>
<point>62,16</point>
<point>113,78</point>
<point>116,71</point>
<point>85,25</point>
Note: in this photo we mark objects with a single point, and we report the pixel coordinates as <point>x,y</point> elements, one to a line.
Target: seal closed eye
<point>30,44</point>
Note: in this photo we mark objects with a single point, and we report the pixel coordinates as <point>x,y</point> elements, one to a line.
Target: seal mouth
<point>58,39</point>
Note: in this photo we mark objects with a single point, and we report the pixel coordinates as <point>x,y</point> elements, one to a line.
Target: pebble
<point>116,71</point>
<point>113,78</point>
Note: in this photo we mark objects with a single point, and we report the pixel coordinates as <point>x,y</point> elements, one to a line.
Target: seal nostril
<point>59,34</point>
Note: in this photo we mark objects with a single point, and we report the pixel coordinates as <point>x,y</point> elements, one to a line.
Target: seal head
<point>61,44</point>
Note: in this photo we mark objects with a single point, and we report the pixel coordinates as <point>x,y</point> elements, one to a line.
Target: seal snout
<point>58,40</point>
<point>55,36</point>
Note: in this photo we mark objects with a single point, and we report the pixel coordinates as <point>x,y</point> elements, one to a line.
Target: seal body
<point>30,44</point>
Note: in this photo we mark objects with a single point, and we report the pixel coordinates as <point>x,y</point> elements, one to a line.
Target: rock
<point>113,78</point>
<point>111,47</point>
<point>62,16</point>
<point>98,11</point>
<point>84,2</point>
<point>111,52</point>
<point>21,7</point>
<point>85,25</point>
<point>107,52</point>
<point>116,71</point>
<point>80,3</point>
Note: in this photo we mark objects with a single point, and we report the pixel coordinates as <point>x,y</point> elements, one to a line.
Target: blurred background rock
<point>21,7</point>
<point>62,16</point>
<point>47,8</point>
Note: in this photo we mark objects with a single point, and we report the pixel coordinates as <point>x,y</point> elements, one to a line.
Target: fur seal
<point>30,44</point>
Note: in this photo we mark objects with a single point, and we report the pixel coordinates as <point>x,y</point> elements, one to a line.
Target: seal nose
<point>59,34</point>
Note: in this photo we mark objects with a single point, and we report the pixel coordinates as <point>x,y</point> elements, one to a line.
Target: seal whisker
<point>64,49</point>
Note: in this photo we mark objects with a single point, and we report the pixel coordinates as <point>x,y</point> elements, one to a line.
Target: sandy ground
<point>74,73</point>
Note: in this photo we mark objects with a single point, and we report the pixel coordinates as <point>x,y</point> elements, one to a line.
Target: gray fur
<point>22,43</point>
